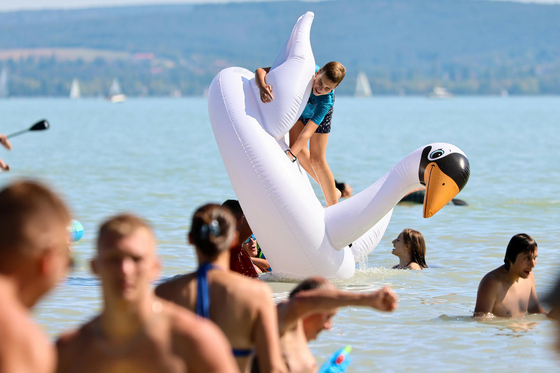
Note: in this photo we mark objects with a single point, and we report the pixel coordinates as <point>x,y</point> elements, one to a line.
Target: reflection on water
<point>158,158</point>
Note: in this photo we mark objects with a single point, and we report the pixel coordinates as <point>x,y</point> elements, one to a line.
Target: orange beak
<point>440,189</point>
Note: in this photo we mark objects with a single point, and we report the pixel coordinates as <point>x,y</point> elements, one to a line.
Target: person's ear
<point>46,261</point>
<point>156,270</point>
<point>189,237</point>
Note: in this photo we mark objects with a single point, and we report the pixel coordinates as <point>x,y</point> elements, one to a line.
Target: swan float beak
<point>444,176</point>
<point>440,190</point>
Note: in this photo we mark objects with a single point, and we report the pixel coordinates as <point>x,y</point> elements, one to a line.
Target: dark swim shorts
<point>325,126</point>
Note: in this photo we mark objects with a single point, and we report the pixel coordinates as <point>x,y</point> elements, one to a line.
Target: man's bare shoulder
<point>494,277</point>
<point>23,346</point>
<point>74,340</point>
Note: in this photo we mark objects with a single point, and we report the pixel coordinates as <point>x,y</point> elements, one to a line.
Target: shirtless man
<point>6,143</point>
<point>34,256</point>
<point>136,331</point>
<point>310,309</point>
<point>509,291</point>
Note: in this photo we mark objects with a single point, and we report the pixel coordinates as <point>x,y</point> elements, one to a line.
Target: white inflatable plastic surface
<point>300,237</point>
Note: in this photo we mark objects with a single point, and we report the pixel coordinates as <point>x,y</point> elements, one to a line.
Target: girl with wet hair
<point>242,307</point>
<point>410,248</point>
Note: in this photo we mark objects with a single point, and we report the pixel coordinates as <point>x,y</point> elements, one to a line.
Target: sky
<point>13,5</point>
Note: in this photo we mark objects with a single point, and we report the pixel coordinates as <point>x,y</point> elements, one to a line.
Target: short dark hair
<point>235,208</point>
<point>310,283</point>
<point>520,243</point>
<point>212,229</point>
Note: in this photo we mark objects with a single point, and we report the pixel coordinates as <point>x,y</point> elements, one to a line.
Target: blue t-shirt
<point>318,106</point>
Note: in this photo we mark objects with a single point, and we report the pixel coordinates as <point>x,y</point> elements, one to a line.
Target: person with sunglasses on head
<point>251,247</point>
<point>34,257</point>
<point>242,307</point>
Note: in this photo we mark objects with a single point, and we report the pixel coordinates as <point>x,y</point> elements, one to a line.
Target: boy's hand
<point>383,300</point>
<point>266,93</point>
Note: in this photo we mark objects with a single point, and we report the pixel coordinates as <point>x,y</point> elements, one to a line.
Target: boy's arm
<point>534,304</point>
<point>486,297</point>
<point>304,137</point>
<point>5,142</point>
<point>265,89</point>
<point>323,300</point>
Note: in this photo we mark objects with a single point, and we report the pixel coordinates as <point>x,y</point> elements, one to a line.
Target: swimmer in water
<point>410,248</point>
<point>34,257</point>
<point>136,331</point>
<point>242,307</point>
<point>509,290</point>
<point>309,310</point>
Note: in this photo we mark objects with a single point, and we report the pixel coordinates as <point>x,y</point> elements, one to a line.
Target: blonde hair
<point>122,225</point>
<point>334,71</point>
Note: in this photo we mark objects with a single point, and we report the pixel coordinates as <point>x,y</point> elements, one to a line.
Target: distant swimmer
<point>136,331</point>
<point>310,309</point>
<point>410,248</point>
<point>509,291</point>
<point>34,257</point>
<point>6,143</point>
<point>242,307</point>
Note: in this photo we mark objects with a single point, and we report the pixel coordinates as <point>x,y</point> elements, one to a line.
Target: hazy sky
<point>10,5</point>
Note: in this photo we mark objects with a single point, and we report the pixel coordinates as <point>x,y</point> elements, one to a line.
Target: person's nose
<point>127,266</point>
<point>327,325</point>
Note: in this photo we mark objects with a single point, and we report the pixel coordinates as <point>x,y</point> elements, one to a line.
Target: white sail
<point>115,93</point>
<point>75,90</point>
<point>4,83</point>
<point>363,88</point>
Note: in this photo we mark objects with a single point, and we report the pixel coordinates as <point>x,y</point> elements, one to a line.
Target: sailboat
<point>4,83</point>
<point>440,92</point>
<point>75,90</point>
<point>363,88</point>
<point>115,93</point>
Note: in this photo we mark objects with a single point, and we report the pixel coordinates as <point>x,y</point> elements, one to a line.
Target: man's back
<point>171,341</point>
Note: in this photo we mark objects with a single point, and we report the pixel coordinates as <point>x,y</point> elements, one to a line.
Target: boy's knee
<point>317,160</point>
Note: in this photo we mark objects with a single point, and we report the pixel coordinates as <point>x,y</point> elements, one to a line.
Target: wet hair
<point>212,229</point>
<point>520,243</point>
<point>234,207</point>
<point>334,71</point>
<point>28,212</point>
<point>417,245</point>
<point>310,283</point>
<point>122,225</point>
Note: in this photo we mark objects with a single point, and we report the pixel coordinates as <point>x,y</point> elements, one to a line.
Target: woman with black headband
<point>240,306</point>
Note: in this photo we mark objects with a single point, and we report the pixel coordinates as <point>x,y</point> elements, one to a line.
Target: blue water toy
<point>75,230</point>
<point>338,363</point>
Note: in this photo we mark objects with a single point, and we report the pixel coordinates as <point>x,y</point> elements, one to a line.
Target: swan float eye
<point>436,154</point>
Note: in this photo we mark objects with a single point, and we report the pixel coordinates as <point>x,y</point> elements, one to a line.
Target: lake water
<point>158,158</point>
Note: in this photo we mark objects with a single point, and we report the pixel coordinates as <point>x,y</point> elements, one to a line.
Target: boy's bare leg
<point>303,155</point>
<point>318,158</point>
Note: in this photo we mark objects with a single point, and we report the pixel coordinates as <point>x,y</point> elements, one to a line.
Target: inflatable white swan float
<point>300,237</point>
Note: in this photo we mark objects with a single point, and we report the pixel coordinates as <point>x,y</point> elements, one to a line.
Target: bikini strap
<point>203,290</point>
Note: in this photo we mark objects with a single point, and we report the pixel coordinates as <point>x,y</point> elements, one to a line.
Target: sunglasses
<point>251,237</point>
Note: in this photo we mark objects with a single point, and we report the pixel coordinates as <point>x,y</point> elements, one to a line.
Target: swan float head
<point>444,170</point>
